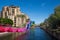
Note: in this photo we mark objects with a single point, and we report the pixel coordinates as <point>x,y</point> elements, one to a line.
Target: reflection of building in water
<point>14,13</point>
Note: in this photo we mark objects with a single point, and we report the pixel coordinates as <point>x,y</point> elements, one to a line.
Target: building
<point>14,13</point>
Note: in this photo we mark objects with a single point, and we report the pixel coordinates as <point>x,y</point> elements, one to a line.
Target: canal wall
<point>52,33</point>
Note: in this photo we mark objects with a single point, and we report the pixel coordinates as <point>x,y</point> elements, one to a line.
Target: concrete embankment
<point>53,33</point>
<point>10,35</point>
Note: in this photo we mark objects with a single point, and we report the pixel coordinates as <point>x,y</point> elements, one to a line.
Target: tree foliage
<point>54,19</point>
<point>6,21</point>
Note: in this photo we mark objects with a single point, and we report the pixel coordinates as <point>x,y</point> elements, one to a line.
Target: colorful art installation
<point>28,25</point>
<point>2,29</point>
<point>13,29</point>
<point>10,29</point>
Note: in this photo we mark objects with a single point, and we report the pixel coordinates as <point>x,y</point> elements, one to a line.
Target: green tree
<point>32,23</point>
<point>41,24</point>
<point>1,21</point>
<point>54,19</point>
<point>4,21</point>
<point>8,21</point>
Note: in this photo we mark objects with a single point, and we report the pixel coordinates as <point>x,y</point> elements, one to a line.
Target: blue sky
<point>37,10</point>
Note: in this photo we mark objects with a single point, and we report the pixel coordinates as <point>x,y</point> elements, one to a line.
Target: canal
<point>35,34</point>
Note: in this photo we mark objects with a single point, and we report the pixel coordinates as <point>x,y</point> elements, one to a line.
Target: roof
<point>13,6</point>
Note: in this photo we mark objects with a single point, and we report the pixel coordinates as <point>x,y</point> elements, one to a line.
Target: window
<point>5,14</point>
<point>14,19</point>
<point>13,11</point>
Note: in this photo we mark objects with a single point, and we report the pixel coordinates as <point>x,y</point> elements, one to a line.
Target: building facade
<point>14,13</point>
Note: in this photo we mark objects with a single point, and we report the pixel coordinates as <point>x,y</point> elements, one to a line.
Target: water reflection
<point>9,36</point>
<point>6,37</point>
<point>33,34</point>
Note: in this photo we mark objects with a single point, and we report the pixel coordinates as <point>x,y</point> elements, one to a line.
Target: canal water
<point>35,34</point>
